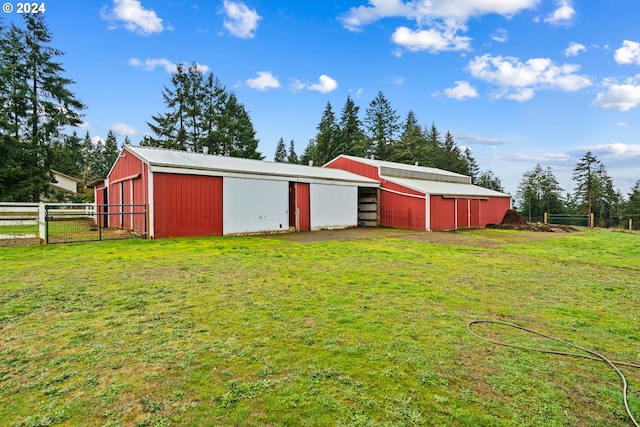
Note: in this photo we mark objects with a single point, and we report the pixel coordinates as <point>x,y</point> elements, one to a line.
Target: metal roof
<point>445,188</point>
<point>209,162</point>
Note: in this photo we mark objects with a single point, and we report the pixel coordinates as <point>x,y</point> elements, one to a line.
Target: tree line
<point>594,193</point>
<point>382,135</point>
<point>38,113</point>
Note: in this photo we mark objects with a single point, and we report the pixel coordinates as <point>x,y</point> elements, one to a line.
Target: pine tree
<point>350,138</point>
<point>434,152</point>
<point>235,135</point>
<point>411,147</point>
<point>169,128</point>
<point>632,206</point>
<point>472,166</point>
<point>281,152</point>
<point>35,105</point>
<point>90,158</point>
<point>68,156</point>
<point>452,159</point>
<point>584,174</point>
<point>487,179</point>
<point>326,147</point>
<point>539,192</point>
<point>309,153</point>
<point>292,157</point>
<point>382,125</point>
<point>51,105</point>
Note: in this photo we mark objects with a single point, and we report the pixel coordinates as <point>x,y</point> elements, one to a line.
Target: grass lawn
<point>269,331</point>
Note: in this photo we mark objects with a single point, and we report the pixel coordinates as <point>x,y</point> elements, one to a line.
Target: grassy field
<point>269,331</point>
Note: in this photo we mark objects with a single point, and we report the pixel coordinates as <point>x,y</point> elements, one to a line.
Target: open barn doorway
<point>367,207</point>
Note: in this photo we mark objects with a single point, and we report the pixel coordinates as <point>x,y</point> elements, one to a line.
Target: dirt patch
<point>513,221</point>
<point>473,237</point>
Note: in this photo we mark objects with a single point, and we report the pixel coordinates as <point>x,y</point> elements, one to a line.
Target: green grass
<point>19,229</point>
<point>260,331</point>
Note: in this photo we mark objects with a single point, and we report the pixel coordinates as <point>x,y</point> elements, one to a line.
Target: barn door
<point>299,206</point>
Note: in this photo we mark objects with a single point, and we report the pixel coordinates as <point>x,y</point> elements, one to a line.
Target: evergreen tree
<point>68,155</point>
<point>309,153</point>
<point>292,157</point>
<point>487,179</point>
<point>281,152</point>
<point>382,126</point>
<point>434,152</point>
<point>632,206</point>
<point>539,192</point>
<point>350,138</point>
<point>235,135</point>
<point>326,141</point>
<point>213,98</point>
<point>452,159</point>
<point>472,166</point>
<point>104,156</point>
<point>584,174</point>
<point>35,104</point>
<point>411,148</point>
<point>169,128</point>
<point>90,158</point>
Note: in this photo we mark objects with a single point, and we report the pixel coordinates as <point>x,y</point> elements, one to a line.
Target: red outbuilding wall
<point>402,207</point>
<point>354,167</point>
<point>187,205</point>
<point>127,185</point>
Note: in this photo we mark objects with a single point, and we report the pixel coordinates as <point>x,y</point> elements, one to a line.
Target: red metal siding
<point>187,205</point>
<point>475,212</point>
<point>492,211</point>
<point>401,211</point>
<point>462,214</point>
<point>354,167</point>
<point>129,174</point>
<point>303,200</point>
<point>443,213</point>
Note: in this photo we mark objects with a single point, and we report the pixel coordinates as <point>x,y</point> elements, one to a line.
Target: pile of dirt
<point>513,221</point>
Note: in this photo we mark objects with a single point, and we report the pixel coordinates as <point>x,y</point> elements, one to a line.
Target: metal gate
<point>66,223</point>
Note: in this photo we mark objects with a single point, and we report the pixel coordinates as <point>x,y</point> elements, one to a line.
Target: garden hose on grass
<point>591,354</point>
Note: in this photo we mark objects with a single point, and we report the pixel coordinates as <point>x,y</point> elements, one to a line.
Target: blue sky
<point>520,82</point>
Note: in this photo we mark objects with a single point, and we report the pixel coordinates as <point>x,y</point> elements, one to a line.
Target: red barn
<point>197,194</point>
<point>421,198</point>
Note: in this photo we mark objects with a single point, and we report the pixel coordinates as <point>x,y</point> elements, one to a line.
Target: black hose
<point>591,355</point>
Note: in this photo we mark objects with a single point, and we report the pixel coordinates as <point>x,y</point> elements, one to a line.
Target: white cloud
<point>500,35</point>
<point>423,11</point>
<point>432,40</point>
<point>296,85</point>
<point>150,64</point>
<point>264,81</point>
<point>617,151</point>
<point>136,18</point>
<point>562,15</point>
<point>241,21</point>
<point>325,84</point>
<point>461,90</point>
<point>123,129</point>
<point>438,21</point>
<point>629,53</point>
<point>619,96</point>
<point>574,49</point>
<point>518,80</point>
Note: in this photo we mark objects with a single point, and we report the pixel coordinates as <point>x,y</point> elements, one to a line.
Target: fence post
<point>591,220</point>
<point>544,221</point>
<point>42,224</point>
